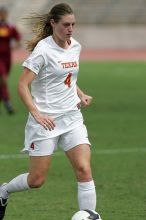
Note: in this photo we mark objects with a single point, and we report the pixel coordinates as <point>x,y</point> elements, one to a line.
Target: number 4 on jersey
<point>67,81</point>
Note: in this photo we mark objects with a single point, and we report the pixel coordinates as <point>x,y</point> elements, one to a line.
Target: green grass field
<point>116,123</point>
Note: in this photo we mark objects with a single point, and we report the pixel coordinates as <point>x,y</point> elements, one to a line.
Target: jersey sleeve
<point>15,33</point>
<point>35,61</point>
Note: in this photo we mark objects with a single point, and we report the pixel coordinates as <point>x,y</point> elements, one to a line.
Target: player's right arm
<point>23,89</point>
<point>85,99</point>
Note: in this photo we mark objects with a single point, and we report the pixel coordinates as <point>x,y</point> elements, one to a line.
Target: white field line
<point>99,152</point>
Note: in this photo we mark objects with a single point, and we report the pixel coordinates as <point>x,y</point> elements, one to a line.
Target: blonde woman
<point>54,107</point>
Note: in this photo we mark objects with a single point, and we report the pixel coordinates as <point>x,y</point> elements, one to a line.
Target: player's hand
<point>46,121</point>
<point>86,100</point>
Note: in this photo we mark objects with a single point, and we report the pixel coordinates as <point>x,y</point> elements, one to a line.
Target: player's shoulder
<point>44,43</point>
<point>75,42</point>
<point>40,47</point>
<point>11,26</point>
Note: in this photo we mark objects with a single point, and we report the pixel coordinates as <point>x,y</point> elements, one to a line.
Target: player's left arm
<point>16,38</point>
<point>85,99</point>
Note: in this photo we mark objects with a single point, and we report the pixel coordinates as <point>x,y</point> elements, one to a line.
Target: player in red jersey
<point>8,33</point>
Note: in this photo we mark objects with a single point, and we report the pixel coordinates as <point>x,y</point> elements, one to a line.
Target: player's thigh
<point>77,146</point>
<point>79,157</point>
<point>40,156</point>
<point>39,165</point>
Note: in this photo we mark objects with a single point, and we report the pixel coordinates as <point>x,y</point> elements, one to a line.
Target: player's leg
<point>38,169</point>
<point>33,179</point>
<point>4,90</point>
<point>79,157</point>
<point>0,95</point>
<point>77,148</point>
<point>40,159</point>
<point>5,96</point>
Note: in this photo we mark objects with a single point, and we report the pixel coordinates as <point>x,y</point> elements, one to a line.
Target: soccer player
<point>54,104</point>
<point>8,33</point>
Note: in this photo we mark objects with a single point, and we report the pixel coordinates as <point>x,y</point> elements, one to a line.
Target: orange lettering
<point>67,81</point>
<point>69,64</point>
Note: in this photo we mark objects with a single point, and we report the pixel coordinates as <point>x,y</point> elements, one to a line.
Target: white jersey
<point>54,89</point>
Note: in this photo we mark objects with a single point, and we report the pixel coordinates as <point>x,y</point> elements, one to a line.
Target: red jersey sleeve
<point>15,33</point>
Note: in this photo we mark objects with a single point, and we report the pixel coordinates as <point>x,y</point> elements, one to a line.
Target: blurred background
<point>113,71</point>
<point>106,27</point>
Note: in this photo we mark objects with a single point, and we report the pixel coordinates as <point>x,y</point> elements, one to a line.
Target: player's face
<point>63,30</point>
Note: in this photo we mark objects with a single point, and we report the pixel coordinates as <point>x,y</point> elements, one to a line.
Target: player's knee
<point>36,181</point>
<point>84,173</point>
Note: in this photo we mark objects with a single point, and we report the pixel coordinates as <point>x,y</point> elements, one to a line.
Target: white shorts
<point>64,141</point>
<point>68,133</point>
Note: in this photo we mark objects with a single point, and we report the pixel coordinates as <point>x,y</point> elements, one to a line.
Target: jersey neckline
<point>56,45</point>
